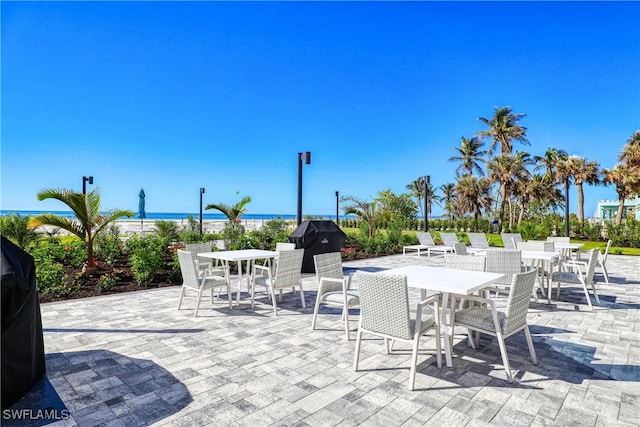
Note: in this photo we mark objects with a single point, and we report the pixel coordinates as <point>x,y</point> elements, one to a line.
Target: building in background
<point>608,209</point>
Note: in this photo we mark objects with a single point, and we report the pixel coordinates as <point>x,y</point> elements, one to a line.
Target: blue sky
<point>174,96</point>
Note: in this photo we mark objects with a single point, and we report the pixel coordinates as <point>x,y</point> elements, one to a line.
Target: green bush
<point>52,279</point>
<point>167,230</point>
<point>15,228</point>
<point>107,282</point>
<point>108,248</point>
<point>146,257</point>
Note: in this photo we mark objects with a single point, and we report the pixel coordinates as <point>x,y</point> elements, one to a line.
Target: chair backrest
<point>188,269</point>
<point>384,304</point>
<point>559,239</point>
<point>288,269</point>
<point>425,238</point>
<point>285,246</point>
<point>465,262</point>
<point>449,239</point>
<point>509,240</point>
<point>329,265</point>
<point>591,265</point>
<point>460,249</point>
<point>505,261</point>
<point>606,252</point>
<point>478,240</point>
<point>198,248</point>
<point>536,245</point>
<point>518,301</point>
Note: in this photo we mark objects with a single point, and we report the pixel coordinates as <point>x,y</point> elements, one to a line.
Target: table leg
<point>239,282</point>
<point>444,329</point>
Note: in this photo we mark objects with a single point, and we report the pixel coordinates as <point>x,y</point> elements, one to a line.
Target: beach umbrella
<point>141,213</point>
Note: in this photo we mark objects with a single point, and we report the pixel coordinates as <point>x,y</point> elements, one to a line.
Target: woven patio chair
<point>200,262</point>
<point>384,312</point>
<point>193,280</point>
<point>509,240</point>
<point>333,287</point>
<point>287,275</point>
<point>487,319</point>
<point>579,273</point>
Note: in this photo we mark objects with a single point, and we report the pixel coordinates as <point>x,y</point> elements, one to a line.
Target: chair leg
<point>414,362</point>
<point>532,350</point>
<point>182,291</point>
<point>273,298</point>
<point>315,312</point>
<point>586,294</point>
<point>304,304</point>
<point>356,355</point>
<point>505,357</point>
<point>605,274</point>
<point>386,346</point>
<point>195,314</point>
<point>595,293</point>
<point>345,315</point>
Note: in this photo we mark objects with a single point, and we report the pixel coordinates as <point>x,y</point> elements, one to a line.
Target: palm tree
<point>416,189</point>
<point>583,172</point>
<point>630,156</point>
<point>449,198</point>
<point>506,170</point>
<point>470,156</point>
<point>232,212</point>
<point>624,181</point>
<point>538,189</point>
<point>503,128</point>
<point>88,221</point>
<point>368,212</point>
<point>549,161</point>
<point>473,195</point>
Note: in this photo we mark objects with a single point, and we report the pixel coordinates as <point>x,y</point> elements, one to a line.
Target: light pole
<point>84,183</point>
<point>201,193</point>
<point>427,180</point>
<point>337,208</point>
<point>306,157</point>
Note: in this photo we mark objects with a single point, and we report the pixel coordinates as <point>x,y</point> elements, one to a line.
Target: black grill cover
<point>317,237</point>
<point>22,341</point>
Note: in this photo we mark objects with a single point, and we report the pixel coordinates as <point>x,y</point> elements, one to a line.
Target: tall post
<point>338,209</point>
<point>306,157</point>
<point>427,180</point>
<point>84,183</point>
<point>566,207</point>
<point>201,193</point>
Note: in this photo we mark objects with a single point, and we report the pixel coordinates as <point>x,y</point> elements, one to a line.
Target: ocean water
<point>152,216</point>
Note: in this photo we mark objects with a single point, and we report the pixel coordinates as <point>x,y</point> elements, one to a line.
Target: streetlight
<point>337,209</point>
<point>427,181</point>
<point>306,157</point>
<point>201,193</point>
<point>84,183</point>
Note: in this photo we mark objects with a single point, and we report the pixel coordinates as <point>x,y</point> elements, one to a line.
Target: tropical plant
<point>15,227</point>
<point>549,161</point>
<point>146,257</point>
<point>503,129</point>
<point>507,170</point>
<point>88,221</point>
<point>470,155</point>
<point>473,196</point>
<point>449,198</point>
<point>368,212</point>
<point>583,172</point>
<point>232,212</point>
<point>400,208</point>
<point>416,189</point>
<point>167,230</point>
<point>621,177</point>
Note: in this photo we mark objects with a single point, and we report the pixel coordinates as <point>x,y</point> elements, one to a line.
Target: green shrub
<point>167,230</point>
<point>52,279</point>
<point>146,257</point>
<point>15,228</point>
<point>108,248</point>
<point>107,281</point>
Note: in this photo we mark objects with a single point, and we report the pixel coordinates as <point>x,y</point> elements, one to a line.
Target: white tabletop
<point>562,245</point>
<point>239,255</point>
<point>541,255</point>
<point>462,282</point>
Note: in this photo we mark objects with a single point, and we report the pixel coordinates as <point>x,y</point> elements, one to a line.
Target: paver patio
<point>134,360</point>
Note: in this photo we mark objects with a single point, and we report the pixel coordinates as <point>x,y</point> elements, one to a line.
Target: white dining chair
<point>602,260</point>
<point>197,281</point>
<point>384,312</point>
<point>287,275</point>
<point>578,273</point>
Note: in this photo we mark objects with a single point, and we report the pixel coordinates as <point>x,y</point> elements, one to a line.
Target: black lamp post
<point>338,209</point>
<point>427,180</point>
<point>84,183</point>
<point>201,193</point>
<point>306,157</point>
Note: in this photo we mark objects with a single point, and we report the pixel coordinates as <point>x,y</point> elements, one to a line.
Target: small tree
<point>88,221</point>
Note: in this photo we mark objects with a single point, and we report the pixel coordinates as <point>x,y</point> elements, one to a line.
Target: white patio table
<point>543,259</point>
<point>249,255</point>
<point>445,280</point>
<point>567,248</point>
